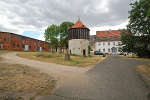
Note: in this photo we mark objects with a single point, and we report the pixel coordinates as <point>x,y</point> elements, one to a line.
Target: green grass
<point>76,60</point>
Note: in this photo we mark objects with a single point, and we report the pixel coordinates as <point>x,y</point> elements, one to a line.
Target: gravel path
<point>61,73</point>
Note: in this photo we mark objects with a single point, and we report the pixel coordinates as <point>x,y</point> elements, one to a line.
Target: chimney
<point>109,30</point>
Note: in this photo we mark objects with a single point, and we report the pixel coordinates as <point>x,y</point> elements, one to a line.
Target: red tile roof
<point>108,33</point>
<point>78,24</point>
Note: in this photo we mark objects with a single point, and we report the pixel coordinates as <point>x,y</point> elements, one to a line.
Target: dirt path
<point>61,73</point>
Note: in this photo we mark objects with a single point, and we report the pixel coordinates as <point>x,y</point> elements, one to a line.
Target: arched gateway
<point>78,36</point>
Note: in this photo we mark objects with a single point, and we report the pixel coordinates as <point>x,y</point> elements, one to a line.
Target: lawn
<point>145,69</point>
<point>20,78</point>
<point>59,58</point>
<point>135,57</point>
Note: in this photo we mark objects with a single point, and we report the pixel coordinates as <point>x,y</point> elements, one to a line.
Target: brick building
<point>11,41</point>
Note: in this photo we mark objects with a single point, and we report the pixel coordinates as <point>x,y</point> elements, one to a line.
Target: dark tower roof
<point>78,24</point>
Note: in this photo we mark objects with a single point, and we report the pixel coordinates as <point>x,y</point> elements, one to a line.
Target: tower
<point>78,36</point>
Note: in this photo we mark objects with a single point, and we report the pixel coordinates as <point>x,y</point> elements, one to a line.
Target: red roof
<point>78,24</point>
<point>108,33</point>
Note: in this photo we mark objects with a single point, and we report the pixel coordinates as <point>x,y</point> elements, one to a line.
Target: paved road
<point>112,79</point>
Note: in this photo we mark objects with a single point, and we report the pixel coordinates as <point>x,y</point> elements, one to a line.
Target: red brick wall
<point>17,42</point>
<point>5,39</point>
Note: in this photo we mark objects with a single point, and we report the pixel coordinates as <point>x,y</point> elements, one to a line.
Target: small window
<point>103,50</point>
<point>100,37</point>
<point>30,47</point>
<point>108,50</point>
<point>23,45</point>
<point>103,43</point>
<point>99,43</point>
<point>17,45</point>
<point>13,45</point>
<point>108,43</point>
<point>119,43</point>
<point>91,44</point>
<point>99,49</point>
<point>5,39</point>
<point>114,43</point>
<point>108,37</point>
<point>34,47</point>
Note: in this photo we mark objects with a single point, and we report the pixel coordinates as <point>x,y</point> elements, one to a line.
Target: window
<point>13,45</point>
<point>108,37</point>
<point>103,43</point>
<point>34,47</point>
<point>30,47</point>
<point>100,37</point>
<point>17,45</point>
<point>99,49</point>
<point>114,43</point>
<point>108,43</point>
<point>91,44</point>
<point>99,43</point>
<point>5,39</point>
<point>108,50</point>
<point>119,43</point>
<point>103,50</point>
<point>23,45</point>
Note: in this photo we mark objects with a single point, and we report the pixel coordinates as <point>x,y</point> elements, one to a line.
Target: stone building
<point>11,41</point>
<point>78,36</point>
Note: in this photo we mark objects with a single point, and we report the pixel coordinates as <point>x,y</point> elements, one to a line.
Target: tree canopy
<point>57,36</point>
<point>136,38</point>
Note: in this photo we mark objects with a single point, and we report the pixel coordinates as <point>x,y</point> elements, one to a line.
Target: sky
<point>31,17</point>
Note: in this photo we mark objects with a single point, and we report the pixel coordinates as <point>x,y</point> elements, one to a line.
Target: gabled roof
<point>78,24</point>
<point>108,33</point>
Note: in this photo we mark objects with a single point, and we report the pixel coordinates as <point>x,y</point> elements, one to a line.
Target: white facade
<point>110,47</point>
<point>78,46</point>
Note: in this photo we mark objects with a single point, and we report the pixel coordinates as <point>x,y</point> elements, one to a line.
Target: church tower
<point>78,36</point>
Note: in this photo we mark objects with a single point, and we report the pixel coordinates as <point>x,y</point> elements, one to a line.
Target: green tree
<point>51,34</point>
<point>64,26</point>
<point>137,36</point>
<point>139,17</point>
<point>128,42</point>
<point>89,49</point>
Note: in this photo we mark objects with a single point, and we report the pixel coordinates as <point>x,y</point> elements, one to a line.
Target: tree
<point>137,36</point>
<point>139,17</point>
<point>64,26</point>
<point>89,49</point>
<point>128,42</point>
<point>51,34</point>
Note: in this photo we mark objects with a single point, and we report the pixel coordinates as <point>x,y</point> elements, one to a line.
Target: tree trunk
<point>132,55</point>
<point>67,56</point>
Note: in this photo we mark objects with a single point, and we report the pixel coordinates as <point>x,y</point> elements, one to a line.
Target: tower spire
<point>79,17</point>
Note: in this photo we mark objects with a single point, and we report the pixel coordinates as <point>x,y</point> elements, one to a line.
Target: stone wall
<point>78,46</point>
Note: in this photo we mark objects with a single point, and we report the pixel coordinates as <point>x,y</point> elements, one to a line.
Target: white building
<point>108,41</point>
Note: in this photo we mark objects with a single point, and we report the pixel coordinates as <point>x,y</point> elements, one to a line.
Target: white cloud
<point>18,16</point>
<point>41,37</point>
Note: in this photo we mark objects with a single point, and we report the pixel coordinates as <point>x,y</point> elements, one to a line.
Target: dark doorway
<point>70,51</point>
<point>83,52</point>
